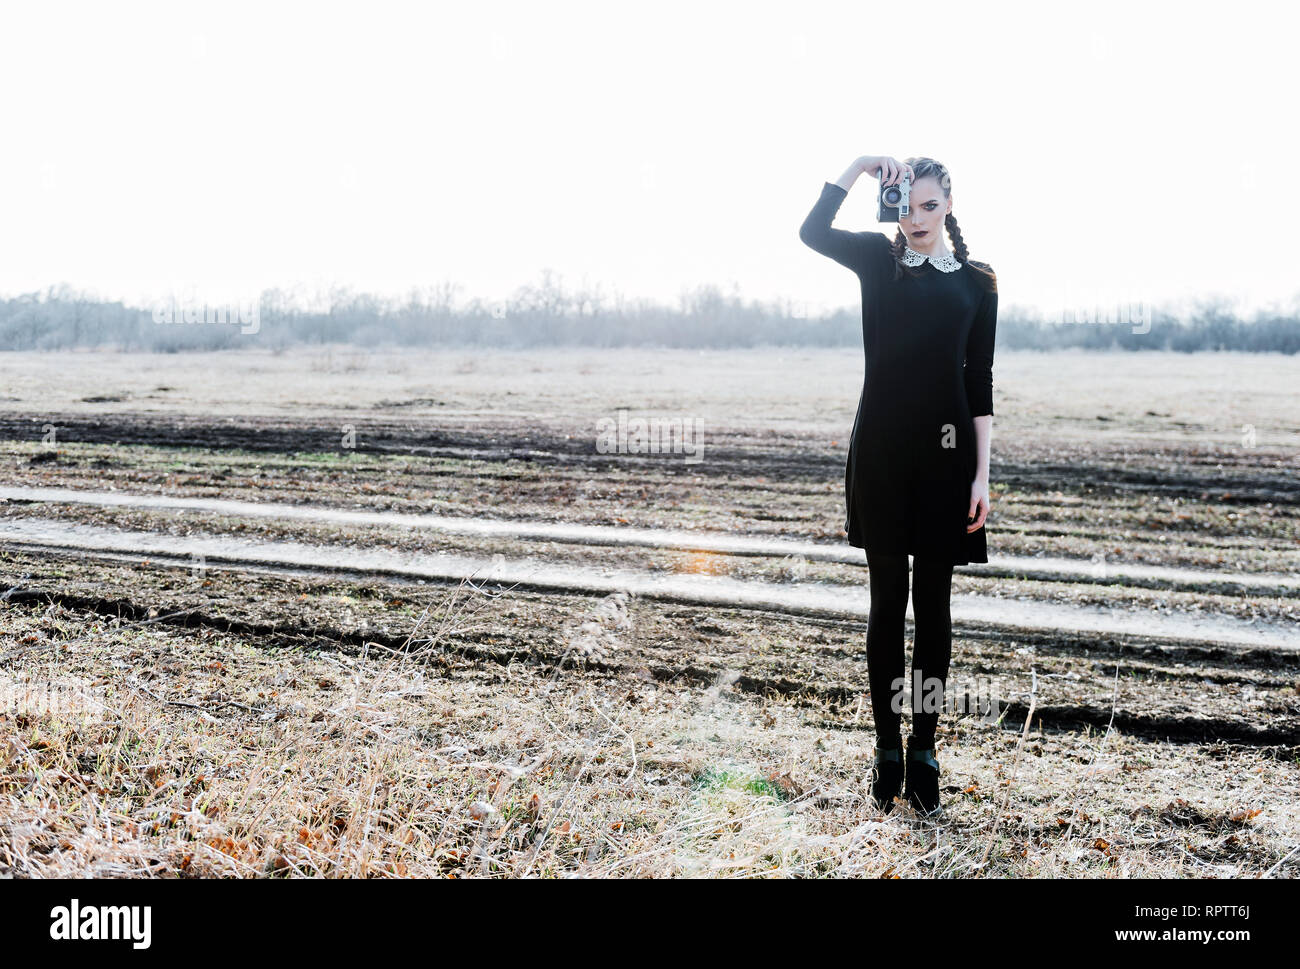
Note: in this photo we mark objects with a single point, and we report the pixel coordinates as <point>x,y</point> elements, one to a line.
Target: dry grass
<point>215,756</point>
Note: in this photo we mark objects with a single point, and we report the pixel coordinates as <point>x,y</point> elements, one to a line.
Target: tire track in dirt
<point>688,588</point>
<point>1044,569</point>
<point>1040,568</point>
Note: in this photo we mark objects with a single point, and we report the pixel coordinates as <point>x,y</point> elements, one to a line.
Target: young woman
<point>917,478</point>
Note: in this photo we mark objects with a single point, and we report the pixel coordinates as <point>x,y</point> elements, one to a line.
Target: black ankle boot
<point>887,776</point>
<point>922,787</point>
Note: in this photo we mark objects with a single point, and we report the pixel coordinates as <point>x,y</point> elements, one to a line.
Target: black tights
<point>931,646</point>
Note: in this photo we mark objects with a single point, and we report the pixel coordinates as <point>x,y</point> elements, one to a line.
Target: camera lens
<point>892,196</point>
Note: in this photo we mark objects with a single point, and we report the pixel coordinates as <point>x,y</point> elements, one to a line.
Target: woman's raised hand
<point>888,169</point>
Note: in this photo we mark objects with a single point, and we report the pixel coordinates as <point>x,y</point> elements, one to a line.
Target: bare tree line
<point>61,318</point>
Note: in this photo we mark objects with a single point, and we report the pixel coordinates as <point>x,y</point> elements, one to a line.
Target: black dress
<point>928,339</point>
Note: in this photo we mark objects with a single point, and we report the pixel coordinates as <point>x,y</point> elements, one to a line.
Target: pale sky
<point>1122,150</point>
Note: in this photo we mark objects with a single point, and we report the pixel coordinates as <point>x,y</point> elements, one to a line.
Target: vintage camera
<point>893,201</point>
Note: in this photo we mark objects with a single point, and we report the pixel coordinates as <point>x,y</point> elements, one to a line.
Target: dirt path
<point>694,589</point>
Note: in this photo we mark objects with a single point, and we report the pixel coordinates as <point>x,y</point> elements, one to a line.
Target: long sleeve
<point>978,373</point>
<point>846,248</point>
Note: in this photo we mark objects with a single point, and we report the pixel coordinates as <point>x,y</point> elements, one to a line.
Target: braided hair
<point>921,168</point>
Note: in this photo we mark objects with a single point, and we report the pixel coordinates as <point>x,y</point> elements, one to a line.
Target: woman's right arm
<point>877,166</point>
<point>846,248</point>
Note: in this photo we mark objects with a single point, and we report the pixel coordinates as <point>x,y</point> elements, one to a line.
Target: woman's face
<point>924,222</point>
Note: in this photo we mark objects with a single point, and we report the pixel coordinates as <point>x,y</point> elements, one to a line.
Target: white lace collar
<point>946,263</point>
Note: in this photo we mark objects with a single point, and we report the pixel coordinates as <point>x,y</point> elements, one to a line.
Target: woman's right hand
<point>888,169</point>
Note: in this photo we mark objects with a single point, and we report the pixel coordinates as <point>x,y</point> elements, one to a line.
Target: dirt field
<point>159,717</point>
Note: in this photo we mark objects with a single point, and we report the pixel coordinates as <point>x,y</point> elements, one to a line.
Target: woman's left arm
<point>983,433</point>
<point>979,488</point>
<point>978,375</point>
